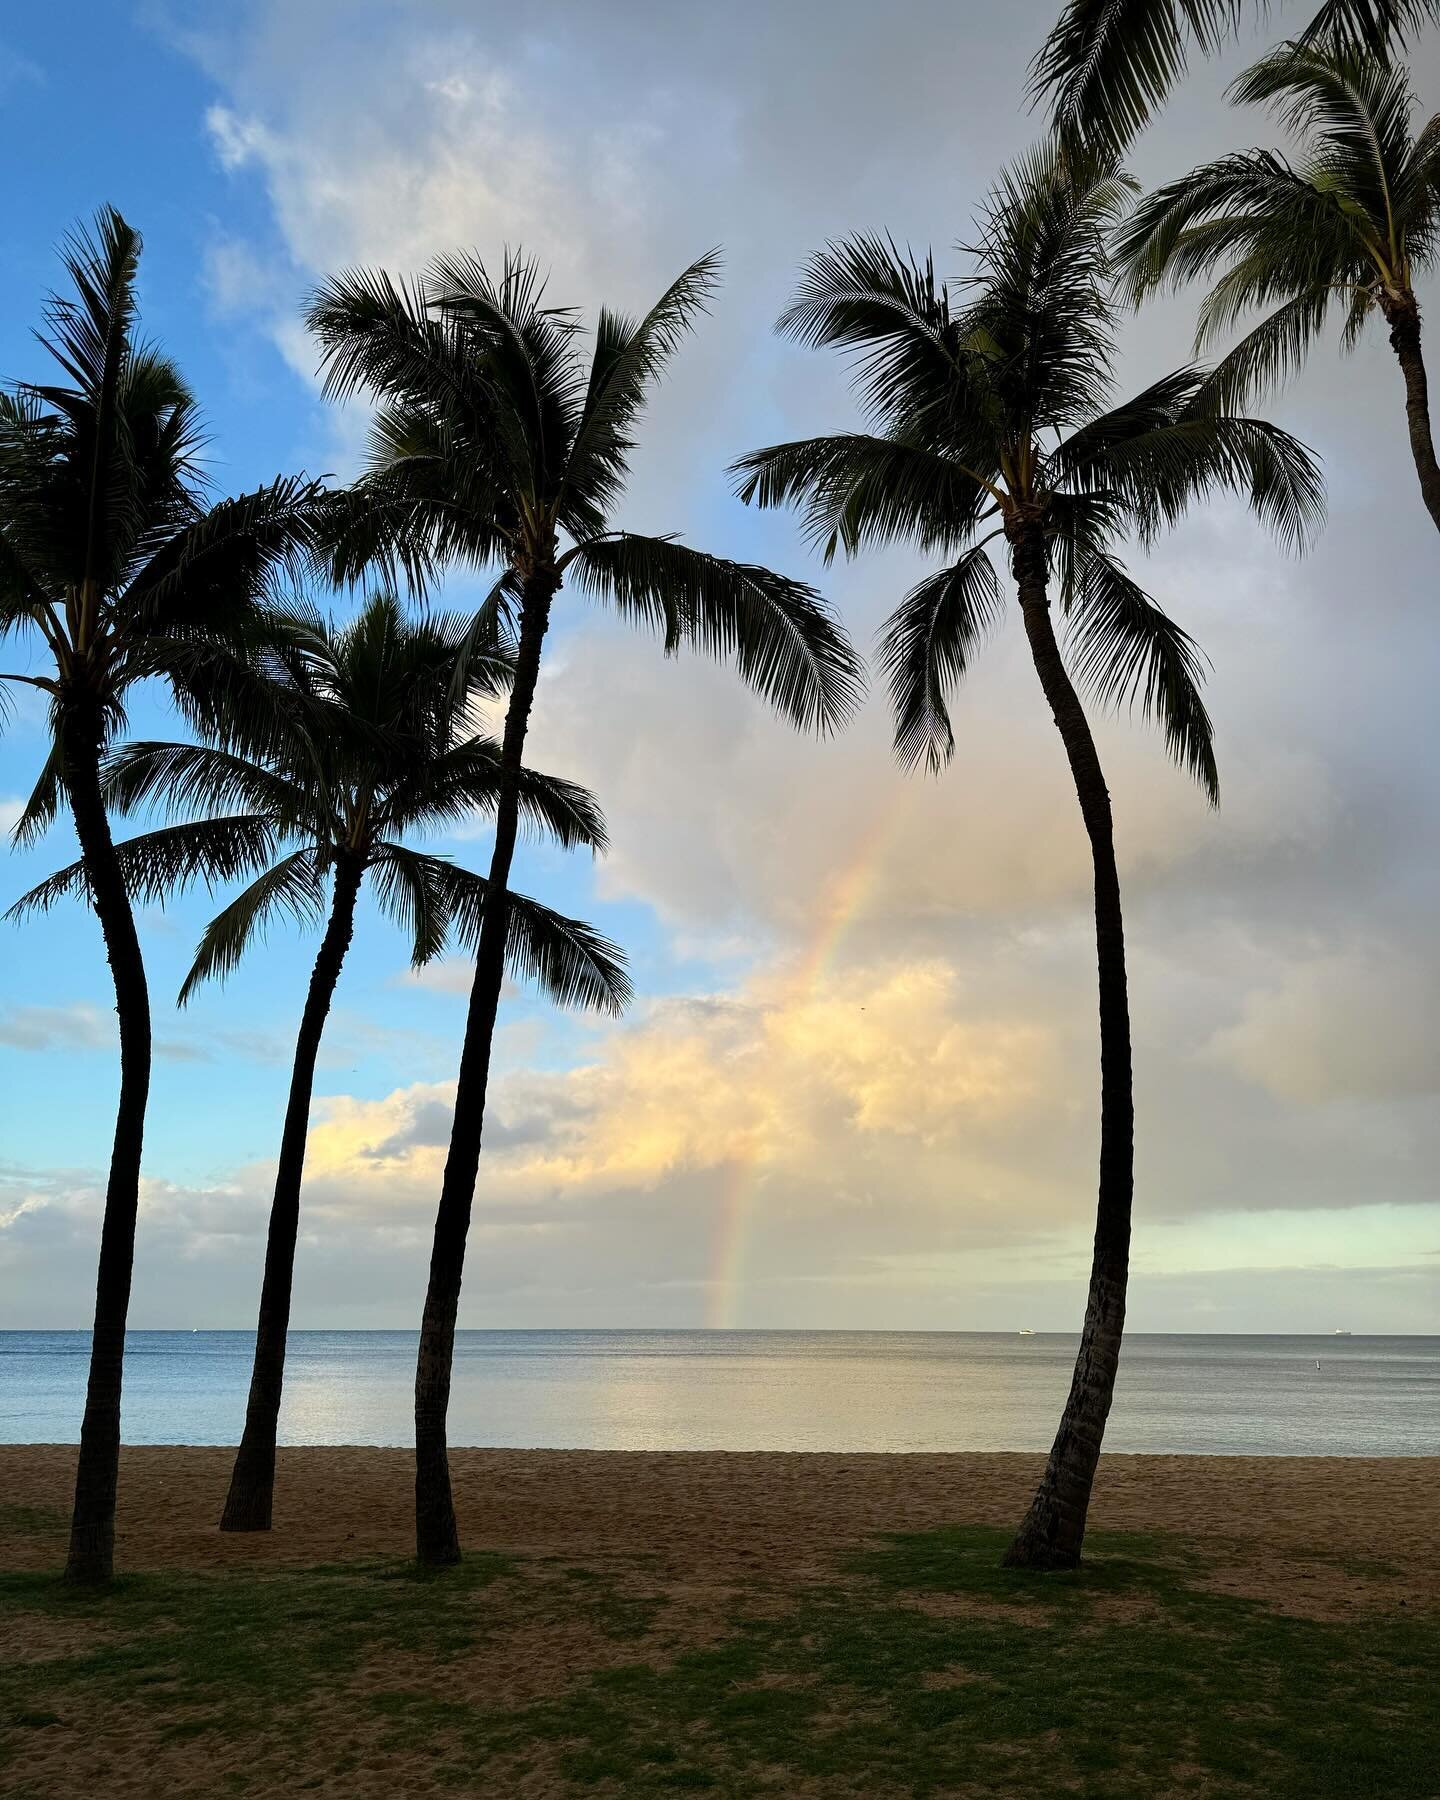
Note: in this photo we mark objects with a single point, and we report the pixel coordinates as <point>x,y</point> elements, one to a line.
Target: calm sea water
<point>755,1390</point>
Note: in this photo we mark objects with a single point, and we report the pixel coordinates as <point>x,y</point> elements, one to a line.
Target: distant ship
<point>1025,1331</point>
<point>1340,1331</point>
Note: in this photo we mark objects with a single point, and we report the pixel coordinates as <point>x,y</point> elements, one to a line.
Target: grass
<point>917,1667</point>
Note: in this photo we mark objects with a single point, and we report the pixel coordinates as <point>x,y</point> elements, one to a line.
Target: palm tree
<point>1108,64</point>
<point>113,555</point>
<point>499,443</point>
<point>364,739</point>
<point>1350,227</point>
<point>990,419</point>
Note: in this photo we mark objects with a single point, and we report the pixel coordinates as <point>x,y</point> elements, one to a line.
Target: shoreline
<point>718,1510</point>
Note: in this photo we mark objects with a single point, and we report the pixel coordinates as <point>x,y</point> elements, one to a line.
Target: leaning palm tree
<point>364,738</point>
<point>990,417</point>
<point>1108,64</point>
<point>113,555</point>
<point>1348,228</point>
<point>499,443</point>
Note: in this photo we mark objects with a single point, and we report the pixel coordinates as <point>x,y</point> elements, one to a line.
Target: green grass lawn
<point>916,1667</point>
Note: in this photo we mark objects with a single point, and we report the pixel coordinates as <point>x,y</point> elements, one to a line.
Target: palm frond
<point>187,778</point>
<point>629,358</point>
<point>293,886</point>
<point>891,314</point>
<point>1274,350</point>
<point>926,647</point>
<point>1108,64</point>
<point>855,490</point>
<point>227,561</point>
<point>38,813</point>
<point>532,376</point>
<point>413,894</point>
<point>162,862</point>
<point>1156,476</point>
<point>1128,653</point>
<point>453,786</point>
<point>786,642</point>
<point>571,961</point>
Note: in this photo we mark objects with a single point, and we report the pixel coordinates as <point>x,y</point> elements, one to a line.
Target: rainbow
<point>844,902</point>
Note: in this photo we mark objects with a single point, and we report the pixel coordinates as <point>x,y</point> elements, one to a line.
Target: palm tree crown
<point>989,403</point>
<point>1350,225</point>
<point>495,443</point>
<point>347,740</point>
<point>1107,64</point>
<point>110,549</point>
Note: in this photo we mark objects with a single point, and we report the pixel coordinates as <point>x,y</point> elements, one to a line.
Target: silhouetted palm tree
<point>1350,226</point>
<point>990,421</point>
<point>498,442</point>
<point>360,737</point>
<point>1109,63</point>
<point>112,554</point>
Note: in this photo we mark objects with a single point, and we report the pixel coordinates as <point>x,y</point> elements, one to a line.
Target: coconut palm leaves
<point>116,559</point>
<point>1339,234</point>
<point>992,418</point>
<point>494,441</point>
<point>347,739</point>
<point>993,415</point>
<point>1108,64</point>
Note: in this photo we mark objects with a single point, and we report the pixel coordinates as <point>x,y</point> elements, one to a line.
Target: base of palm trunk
<point>251,1499</point>
<point>1037,1552</point>
<point>91,1559</point>
<point>247,1511</point>
<point>437,1536</point>
<point>1052,1533</point>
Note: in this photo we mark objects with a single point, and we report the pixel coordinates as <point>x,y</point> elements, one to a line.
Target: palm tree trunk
<point>1403,317</point>
<point>252,1481</point>
<point>92,1525</point>
<point>1053,1530</point>
<point>437,1540</point>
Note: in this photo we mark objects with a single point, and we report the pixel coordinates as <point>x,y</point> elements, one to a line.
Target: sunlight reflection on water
<point>756,1390</point>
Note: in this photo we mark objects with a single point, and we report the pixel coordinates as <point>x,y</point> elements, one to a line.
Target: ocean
<point>755,1390</point>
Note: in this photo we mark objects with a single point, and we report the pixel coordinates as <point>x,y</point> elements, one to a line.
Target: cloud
<point>448,151</point>
<point>1357,1023</point>
<point>880,1146</point>
<point>896,1068</point>
<point>79,1026</point>
<point>82,1026</point>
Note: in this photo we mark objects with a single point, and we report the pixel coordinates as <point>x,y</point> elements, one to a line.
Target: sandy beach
<point>725,1515</point>
<point>626,1622</point>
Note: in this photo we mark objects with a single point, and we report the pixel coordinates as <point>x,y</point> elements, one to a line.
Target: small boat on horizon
<point>1340,1331</point>
<point>1026,1331</point>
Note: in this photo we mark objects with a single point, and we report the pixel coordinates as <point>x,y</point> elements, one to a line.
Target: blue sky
<point>160,168</point>
<point>747,1147</point>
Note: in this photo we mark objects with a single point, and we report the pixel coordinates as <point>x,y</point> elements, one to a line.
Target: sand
<point>727,1515</point>
<point>707,1535</point>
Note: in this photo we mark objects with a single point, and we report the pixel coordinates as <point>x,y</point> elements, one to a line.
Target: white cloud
<point>78,1026</point>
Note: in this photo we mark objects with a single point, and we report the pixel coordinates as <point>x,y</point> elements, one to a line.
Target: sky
<point>858,1087</point>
